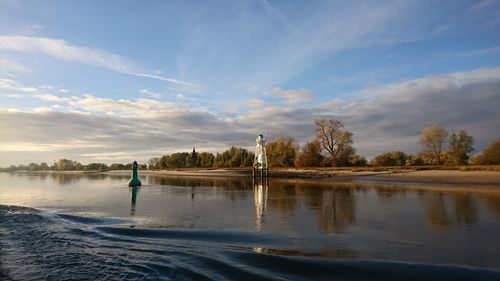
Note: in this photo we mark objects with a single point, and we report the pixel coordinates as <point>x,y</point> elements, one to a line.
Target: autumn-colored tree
<point>334,140</point>
<point>281,152</point>
<point>393,158</point>
<point>309,155</point>
<point>490,156</point>
<point>492,153</point>
<point>433,138</point>
<point>460,147</point>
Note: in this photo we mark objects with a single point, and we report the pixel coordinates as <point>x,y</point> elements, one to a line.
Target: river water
<point>94,227</point>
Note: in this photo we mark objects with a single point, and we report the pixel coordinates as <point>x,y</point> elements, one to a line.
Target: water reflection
<point>465,209</point>
<point>435,210</point>
<point>335,202</point>
<point>432,224</point>
<point>133,198</point>
<point>492,201</point>
<point>441,216</point>
<point>64,179</point>
<point>260,187</point>
<point>336,210</point>
<point>326,206</point>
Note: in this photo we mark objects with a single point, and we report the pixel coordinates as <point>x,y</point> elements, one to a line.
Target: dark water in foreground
<point>95,227</point>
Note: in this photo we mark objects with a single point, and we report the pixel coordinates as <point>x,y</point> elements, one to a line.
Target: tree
<point>177,160</point>
<point>336,141</point>
<point>192,159</point>
<point>433,138</point>
<point>281,152</point>
<point>392,158</point>
<point>234,157</point>
<point>154,163</point>
<point>491,155</point>
<point>68,165</point>
<point>163,162</point>
<point>460,147</point>
<point>206,159</point>
<point>96,167</point>
<point>358,160</point>
<point>44,166</point>
<point>117,166</point>
<point>416,160</point>
<point>33,167</point>
<point>310,155</point>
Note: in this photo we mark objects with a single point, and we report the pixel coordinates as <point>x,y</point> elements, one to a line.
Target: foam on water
<point>39,245</point>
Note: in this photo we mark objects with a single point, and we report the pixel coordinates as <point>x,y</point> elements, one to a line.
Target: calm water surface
<point>62,226</point>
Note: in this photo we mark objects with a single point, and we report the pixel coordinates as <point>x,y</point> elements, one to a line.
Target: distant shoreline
<point>388,175</point>
<point>471,176</point>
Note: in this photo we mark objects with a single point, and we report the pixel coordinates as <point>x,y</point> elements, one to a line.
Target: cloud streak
<point>62,50</point>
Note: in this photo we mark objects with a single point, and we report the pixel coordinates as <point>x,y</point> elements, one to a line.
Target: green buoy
<point>134,181</point>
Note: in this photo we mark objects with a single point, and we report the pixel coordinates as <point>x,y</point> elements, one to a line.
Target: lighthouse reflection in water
<point>260,187</point>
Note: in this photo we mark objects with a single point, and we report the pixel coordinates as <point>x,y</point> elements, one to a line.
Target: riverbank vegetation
<point>332,146</point>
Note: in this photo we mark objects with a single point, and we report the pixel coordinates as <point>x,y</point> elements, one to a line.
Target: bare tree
<point>336,141</point>
<point>432,138</point>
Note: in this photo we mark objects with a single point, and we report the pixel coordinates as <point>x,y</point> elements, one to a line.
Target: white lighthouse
<point>260,160</point>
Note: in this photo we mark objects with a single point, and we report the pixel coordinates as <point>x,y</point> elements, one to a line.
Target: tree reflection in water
<point>334,203</point>
<point>440,214</point>
<point>435,210</point>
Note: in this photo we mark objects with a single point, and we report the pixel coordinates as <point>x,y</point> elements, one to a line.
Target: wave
<point>36,245</point>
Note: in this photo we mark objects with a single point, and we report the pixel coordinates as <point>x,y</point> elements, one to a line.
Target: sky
<point>117,81</point>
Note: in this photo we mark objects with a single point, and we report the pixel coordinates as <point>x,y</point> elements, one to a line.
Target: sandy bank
<point>443,176</point>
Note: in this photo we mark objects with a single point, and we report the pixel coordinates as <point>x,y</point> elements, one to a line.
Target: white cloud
<point>291,97</point>
<point>16,86</point>
<point>50,98</point>
<point>62,50</point>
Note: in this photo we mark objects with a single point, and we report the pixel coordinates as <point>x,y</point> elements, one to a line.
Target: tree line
<point>441,147</point>
<point>331,146</point>
<point>70,165</point>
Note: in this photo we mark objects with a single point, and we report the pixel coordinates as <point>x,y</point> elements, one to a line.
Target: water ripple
<point>37,246</point>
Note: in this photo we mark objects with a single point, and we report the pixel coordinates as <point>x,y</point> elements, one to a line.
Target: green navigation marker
<point>134,181</point>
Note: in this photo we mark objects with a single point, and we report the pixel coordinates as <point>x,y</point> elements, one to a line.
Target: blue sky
<point>146,78</point>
